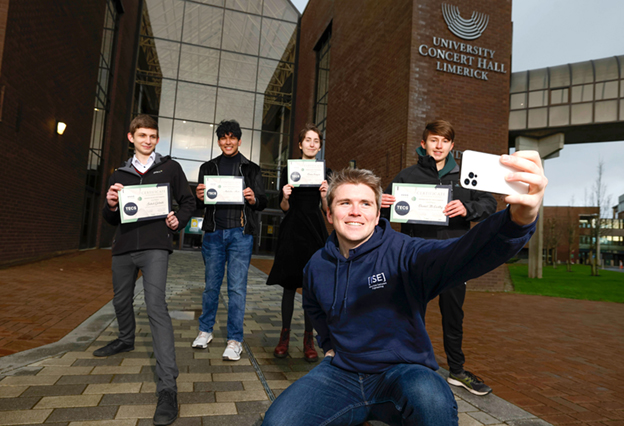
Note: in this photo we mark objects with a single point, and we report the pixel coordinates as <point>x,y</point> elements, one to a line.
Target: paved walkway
<point>63,384</point>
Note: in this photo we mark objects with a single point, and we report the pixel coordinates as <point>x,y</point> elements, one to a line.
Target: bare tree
<point>552,239</point>
<point>571,231</point>
<point>602,201</point>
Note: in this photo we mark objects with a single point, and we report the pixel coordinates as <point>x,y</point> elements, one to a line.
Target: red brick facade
<point>49,72</point>
<point>383,89</point>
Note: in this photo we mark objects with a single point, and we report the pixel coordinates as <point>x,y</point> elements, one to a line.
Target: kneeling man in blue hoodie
<point>366,292</point>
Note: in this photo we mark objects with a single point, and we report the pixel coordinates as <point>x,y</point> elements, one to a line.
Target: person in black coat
<point>436,167</point>
<point>302,232</point>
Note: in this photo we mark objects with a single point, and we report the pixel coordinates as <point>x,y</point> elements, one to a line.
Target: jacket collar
<point>127,167</point>
<point>450,166</point>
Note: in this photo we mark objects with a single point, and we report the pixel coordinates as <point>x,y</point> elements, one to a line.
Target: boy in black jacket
<point>436,166</point>
<point>146,245</point>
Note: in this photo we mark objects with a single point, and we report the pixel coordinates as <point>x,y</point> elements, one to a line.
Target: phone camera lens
<point>467,181</point>
<point>471,175</point>
<point>474,183</point>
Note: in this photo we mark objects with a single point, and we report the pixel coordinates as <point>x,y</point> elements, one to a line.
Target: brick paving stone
<point>12,391</point>
<point>20,417</point>
<point>240,420</point>
<point>219,386</point>
<point>81,414</point>
<point>129,422</point>
<point>68,401</point>
<point>128,399</point>
<point>214,409</point>
<point>18,404</point>
<point>84,380</point>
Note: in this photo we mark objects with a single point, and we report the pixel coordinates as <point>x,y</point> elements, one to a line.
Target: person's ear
<point>329,216</point>
<point>422,143</point>
<point>130,137</point>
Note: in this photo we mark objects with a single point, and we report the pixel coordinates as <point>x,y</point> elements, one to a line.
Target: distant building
<point>560,221</point>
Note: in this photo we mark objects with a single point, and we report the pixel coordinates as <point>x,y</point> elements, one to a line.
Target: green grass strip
<point>577,284</point>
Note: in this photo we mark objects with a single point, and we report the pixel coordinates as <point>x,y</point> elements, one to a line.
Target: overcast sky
<point>555,32</point>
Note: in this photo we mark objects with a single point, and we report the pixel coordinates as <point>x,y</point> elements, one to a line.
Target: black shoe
<point>469,381</point>
<point>167,408</point>
<point>114,347</point>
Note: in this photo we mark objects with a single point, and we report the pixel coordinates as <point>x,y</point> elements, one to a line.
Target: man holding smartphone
<point>436,167</point>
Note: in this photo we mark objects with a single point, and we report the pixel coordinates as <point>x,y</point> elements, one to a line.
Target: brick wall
<point>49,71</point>
<point>382,90</point>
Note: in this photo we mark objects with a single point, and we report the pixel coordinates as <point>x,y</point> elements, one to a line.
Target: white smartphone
<point>484,172</point>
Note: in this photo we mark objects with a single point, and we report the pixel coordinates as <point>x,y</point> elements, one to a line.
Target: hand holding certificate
<point>224,190</point>
<point>144,202</point>
<point>422,204</point>
<point>306,172</point>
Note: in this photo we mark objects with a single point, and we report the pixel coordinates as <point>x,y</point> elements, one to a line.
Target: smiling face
<point>438,147</point>
<point>310,145</point>
<point>354,214</point>
<point>144,140</point>
<point>229,145</point>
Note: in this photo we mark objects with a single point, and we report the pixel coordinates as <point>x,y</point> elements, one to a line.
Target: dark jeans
<point>406,394</point>
<point>233,247</point>
<point>451,302</point>
<point>153,264</point>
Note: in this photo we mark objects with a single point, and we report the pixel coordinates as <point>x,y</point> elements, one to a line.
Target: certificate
<point>422,204</point>
<point>306,172</point>
<point>224,190</point>
<point>144,202</point>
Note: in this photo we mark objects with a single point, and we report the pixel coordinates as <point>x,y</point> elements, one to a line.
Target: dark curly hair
<point>227,127</point>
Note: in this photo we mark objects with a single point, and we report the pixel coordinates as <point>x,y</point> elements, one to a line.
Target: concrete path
<point>63,384</point>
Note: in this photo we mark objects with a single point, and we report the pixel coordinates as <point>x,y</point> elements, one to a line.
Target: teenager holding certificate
<point>436,167</point>
<point>301,234</point>
<point>145,245</point>
<point>229,229</point>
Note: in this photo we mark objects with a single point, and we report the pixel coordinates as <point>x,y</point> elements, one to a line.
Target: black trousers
<point>451,302</point>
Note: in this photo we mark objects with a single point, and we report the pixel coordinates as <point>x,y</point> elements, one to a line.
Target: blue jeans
<point>406,394</point>
<point>219,247</point>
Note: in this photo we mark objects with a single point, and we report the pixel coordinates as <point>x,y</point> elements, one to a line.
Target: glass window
<point>195,102</point>
<point>559,76</point>
<point>538,99</point>
<point>582,72</point>
<point>158,57</point>
<point>232,104</point>
<point>156,96</point>
<point>278,40</point>
<point>238,71</point>
<point>537,118</point>
<point>163,19</point>
<point>606,69</point>
<point>192,141</point>
<point>274,150</point>
<point>582,113</point>
<point>203,25</point>
<point>622,109</point>
<point>199,64</point>
<point>517,120</point>
<point>582,93</point>
<point>606,111</point>
<point>518,82</point>
<point>275,77</point>
<point>559,96</point>
<point>165,129</point>
<point>252,6</point>
<point>191,169</point>
<point>538,79</point>
<point>280,9</point>
<point>212,2</point>
<point>517,101</point>
<point>606,90</point>
<point>559,116</point>
<point>273,113</point>
<point>241,32</point>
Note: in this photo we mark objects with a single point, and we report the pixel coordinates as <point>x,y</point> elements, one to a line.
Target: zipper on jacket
<point>240,169</point>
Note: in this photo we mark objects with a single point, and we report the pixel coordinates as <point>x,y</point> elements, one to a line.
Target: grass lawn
<point>578,284</point>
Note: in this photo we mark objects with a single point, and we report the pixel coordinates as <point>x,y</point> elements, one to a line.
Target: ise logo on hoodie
<point>377,281</point>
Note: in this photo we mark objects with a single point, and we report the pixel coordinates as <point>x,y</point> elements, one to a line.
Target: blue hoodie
<point>370,308</point>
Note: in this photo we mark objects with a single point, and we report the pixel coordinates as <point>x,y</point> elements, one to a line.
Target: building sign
<point>464,59</point>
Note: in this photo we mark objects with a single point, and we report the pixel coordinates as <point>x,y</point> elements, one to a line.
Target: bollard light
<point>60,127</point>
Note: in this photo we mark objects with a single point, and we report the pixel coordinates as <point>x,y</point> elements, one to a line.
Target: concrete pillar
<point>547,147</point>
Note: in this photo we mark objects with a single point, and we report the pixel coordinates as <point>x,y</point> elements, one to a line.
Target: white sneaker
<point>232,351</point>
<point>202,340</point>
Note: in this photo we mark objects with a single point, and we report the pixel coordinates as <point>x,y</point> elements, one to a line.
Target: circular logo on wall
<point>131,209</point>
<point>211,193</point>
<point>401,208</point>
<point>295,176</point>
